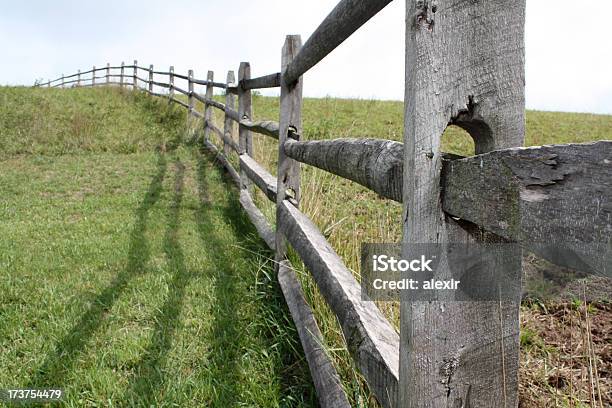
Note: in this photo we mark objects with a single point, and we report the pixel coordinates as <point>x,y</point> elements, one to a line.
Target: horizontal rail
<point>181,76</point>
<point>183,104</point>
<point>373,163</point>
<point>210,102</point>
<point>224,137</point>
<point>343,21</point>
<point>161,73</point>
<point>371,339</point>
<point>181,90</point>
<point>223,160</point>
<point>267,81</point>
<point>161,84</point>
<point>206,82</point>
<point>260,176</point>
<point>325,378</point>
<point>138,78</point>
<point>195,113</point>
<point>265,127</point>
<point>258,219</point>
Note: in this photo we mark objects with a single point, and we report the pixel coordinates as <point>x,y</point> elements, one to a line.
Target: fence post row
<point>151,78</point>
<point>245,111</point>
<point>208,108</point>
<point>290,125</point>
<point>228,123</point>
<point>121,74</point>
<point>134,79</point>
<point>171,83</point>
<point>458,354</point>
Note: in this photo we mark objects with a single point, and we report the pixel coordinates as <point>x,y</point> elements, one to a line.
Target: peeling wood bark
<point>558,195</point>
<point>341,22</point>
<point>257,218</point>
<point>260,176</point>
<point>373,163</point>
<point>372,341</point>
<point>464,66</point>
<point>324,376</point>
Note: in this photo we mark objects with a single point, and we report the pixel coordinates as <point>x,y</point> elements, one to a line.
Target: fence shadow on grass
<point>149,370</point>
<point>53,371</point>
<point>270,302</point>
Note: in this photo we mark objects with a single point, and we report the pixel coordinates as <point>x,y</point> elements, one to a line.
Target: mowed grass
<point>134,279</point>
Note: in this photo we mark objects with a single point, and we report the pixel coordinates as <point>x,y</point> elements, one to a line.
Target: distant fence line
<point>455,354</point>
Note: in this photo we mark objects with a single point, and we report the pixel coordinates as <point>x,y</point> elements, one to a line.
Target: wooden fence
<point>464,66</point>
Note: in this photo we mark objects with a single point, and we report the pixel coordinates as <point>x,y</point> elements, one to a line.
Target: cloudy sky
<point>569,44</point>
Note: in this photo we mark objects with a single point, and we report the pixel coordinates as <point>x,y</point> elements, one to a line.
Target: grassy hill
<point>110,226</point>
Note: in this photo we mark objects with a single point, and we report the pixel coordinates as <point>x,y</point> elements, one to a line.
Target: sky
<point>568,44</point>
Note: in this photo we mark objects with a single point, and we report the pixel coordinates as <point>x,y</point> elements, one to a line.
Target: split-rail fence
<point>464,67</point>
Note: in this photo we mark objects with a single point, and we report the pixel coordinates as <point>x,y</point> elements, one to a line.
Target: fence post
<point>135,75</point>
<point>171,82</point>
<point>458,354</point>
<point>208,108</point>
<point>245,111</point>
<point>151,78</point>
<point>107,73</point>
<point>290,126</point>
<point>228,124</point>
<point>190,98</point>
<point>121,75</point>
<point>79,77</point>
<point>93,76</point>
<point>62,81</point>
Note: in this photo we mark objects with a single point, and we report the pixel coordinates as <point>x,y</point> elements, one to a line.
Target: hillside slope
<point>117,240</point>
<point>128,274</point>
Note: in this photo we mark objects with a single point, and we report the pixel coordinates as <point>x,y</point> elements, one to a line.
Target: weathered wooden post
<point>121,74</point>
<point>190,98</point>
<point>171,82</point>
<point>79,77</point>
<point>107,73</point>
<point>245,111</point>
<point>228,123</point>
<point>62,81</point>
<point>135,76</point>
<point>208,108</point>
<point>464,66</point>
<point>290,125</point>
<point>150,78</point>
<point>93,76</point>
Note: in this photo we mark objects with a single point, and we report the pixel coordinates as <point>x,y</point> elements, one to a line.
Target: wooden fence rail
<point>446,354</point>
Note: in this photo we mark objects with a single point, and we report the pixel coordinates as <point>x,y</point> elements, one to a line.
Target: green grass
<point>135,279</point>
<point>117,240</point>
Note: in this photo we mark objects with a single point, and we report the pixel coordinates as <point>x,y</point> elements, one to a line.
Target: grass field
<point>117,241</point>
<point>133,279</point>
